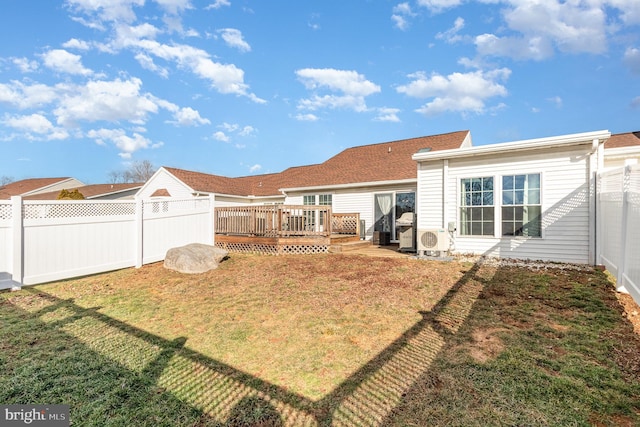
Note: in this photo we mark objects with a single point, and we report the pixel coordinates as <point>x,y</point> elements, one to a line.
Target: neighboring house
<point>622,149</point>
<point>125,191</point>
<point>378,181</point>
<point>531,199</point>
<point>33,186</point>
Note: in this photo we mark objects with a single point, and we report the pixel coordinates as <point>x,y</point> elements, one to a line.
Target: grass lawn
<point>325,340</point>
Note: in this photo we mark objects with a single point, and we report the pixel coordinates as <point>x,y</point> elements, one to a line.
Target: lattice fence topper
<point>157,206</point>
<point>76,209</point>
<point>5,211</point>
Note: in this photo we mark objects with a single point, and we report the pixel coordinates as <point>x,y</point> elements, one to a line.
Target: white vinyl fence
<point>42,241</point>
<point>618,224</point>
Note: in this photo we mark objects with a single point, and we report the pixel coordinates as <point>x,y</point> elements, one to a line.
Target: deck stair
<point>337,248</point>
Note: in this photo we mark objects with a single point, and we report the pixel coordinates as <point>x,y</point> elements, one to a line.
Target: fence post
<point>212,220</point>
<point>139,232</point>
<point>17,228</point>
<point>623,230</point>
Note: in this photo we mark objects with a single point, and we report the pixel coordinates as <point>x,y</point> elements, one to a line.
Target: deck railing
<point>284,221</point>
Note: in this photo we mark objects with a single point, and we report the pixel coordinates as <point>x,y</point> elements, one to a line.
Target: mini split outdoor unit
<point>436,239</point>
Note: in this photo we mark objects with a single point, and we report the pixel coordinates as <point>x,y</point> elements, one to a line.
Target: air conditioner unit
<point>436,239</point>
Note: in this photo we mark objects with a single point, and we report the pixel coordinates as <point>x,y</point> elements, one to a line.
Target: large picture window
<point>521,209</point>
<point>477,207</point>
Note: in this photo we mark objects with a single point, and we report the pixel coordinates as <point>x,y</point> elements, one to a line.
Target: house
<point>125,191</point>
<point>622,149</point>
<point>532,199</point>
<point>378,181</point>
<point>525,199</point>
<point>33,186</point>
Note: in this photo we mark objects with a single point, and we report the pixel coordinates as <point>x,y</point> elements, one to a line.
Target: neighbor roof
<point>89,191</point>
<point>388,161</point>
<point>27,186</point>
<point>620,140</point>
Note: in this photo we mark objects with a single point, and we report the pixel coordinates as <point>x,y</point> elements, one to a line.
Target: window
<point>476,207</point>
<point>313,217</point>
<point>521,209</point>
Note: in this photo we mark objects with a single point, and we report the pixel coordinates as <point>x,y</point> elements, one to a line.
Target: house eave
<point>95,196</point>
<point>352,185</point>
<point>511,147</point>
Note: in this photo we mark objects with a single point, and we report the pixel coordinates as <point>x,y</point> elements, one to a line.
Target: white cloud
<point>387,115</point>
<point>630,10</point>
<point>218,4</point>
<point>233,38</point>
<point>457,92</point>
<point>349,82</point>
<point>451,35</point>
<point>632,59</point>
<point>126,144</point>
<point>189,117</point>
<point>25,65</point>
<point>27,96</point>
<point>635,102</point>
<point>542,27</point>
<point>230,130</point>
<point>221,136</point>
<point>255,168</point>
<point>175,6</point>
<point>354,87</point>
<point>110,101</point>
<point>229,127</point>
<point>225,78</point>
<point>35,123</point>
<point>76,44</point>
<point>401,13</point>
<point>107,10</point>
<point>306,117</point>
<point>436,6</point>
<point>247,131</point>
<point>62,61</point>
<point>147,63</point>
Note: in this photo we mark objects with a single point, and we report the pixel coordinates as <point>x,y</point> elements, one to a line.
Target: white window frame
<point>497,205</point>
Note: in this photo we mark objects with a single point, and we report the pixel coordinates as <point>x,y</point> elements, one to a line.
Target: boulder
<point>194,258</point>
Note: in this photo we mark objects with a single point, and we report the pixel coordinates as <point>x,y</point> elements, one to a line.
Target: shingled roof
<point>26,186</point>
<point>387,161</point>
<point>620,140</point>
<point>89,191</point>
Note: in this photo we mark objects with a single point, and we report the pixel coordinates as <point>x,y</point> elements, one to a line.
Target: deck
<point>283,229</point>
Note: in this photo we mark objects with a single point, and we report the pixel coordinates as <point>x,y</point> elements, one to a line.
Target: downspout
<point>597,149</point>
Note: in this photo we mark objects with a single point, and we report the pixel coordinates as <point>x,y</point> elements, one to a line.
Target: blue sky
<point>239,87</point>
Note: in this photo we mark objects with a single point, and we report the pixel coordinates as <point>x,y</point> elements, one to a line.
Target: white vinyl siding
<point>565,205</point>
<point>354,200</point>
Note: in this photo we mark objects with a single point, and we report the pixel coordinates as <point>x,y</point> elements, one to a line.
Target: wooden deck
<point>282,229</point>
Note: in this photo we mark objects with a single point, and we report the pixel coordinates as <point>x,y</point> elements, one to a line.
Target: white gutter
<point>510,147</point>
<point>352,185</point>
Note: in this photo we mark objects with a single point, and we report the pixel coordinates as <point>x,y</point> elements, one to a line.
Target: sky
<point>241,87</point>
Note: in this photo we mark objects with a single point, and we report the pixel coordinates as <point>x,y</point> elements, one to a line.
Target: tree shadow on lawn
<point>114,374</point>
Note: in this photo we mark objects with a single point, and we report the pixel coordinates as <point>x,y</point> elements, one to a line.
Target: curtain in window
<point>384,204</point>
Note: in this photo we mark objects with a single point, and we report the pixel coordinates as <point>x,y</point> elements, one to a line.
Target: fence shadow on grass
<point>168,375</point>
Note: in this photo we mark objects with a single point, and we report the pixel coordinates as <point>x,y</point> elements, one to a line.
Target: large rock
<point>194,258</point>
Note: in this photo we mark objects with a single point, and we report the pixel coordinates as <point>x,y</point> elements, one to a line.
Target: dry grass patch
<point>303,323</point>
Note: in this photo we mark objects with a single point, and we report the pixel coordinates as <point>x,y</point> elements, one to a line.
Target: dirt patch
<point>486,344</point>
<point>631,310</point>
